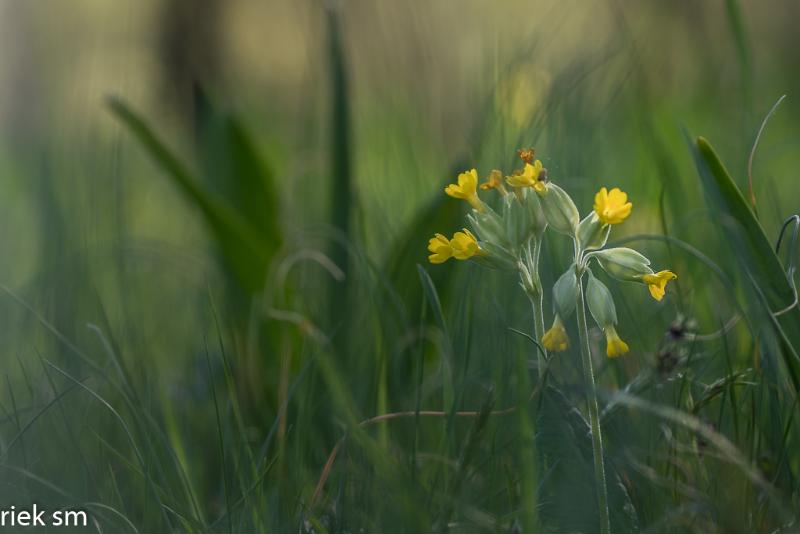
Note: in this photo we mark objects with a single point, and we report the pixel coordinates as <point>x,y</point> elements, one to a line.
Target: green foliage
<point>245,224</point>
<point>773,292</point>
<point>164,389</point>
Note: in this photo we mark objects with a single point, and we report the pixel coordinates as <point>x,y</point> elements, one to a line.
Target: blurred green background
<point>212,215</point>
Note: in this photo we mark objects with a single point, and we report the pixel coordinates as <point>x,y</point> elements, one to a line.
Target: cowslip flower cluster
<point>511,238</point>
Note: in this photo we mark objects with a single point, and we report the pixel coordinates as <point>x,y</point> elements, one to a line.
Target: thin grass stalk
<point>594,415</point>
<point>538,313</point>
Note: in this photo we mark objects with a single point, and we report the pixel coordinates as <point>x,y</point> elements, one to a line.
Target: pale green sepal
<point>600,301</point>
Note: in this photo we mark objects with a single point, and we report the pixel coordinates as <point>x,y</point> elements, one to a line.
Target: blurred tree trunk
<point>191,52</point>
<point>20,112</point>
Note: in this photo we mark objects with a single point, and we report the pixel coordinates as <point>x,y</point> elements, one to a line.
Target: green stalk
<point>594,414</point>
<point>531,258</point>
<point>529,479</point>
<point>538,312</point>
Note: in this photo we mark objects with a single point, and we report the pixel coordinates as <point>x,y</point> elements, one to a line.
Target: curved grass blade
<point>447,371</point>
<point>233,167</point>
<point>246,252</point>
<point>752,248</point>
<point>726,198</point>
<point>753,251</point>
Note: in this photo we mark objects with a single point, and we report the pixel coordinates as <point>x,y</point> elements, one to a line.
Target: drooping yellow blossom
<point>494,181</point>
<point>526,154</point>
<point>657,282</point>
<point>614,345</point>
<point>465,245</point>
<point>466,189</point>
<point>533,175</point>
<point>439,245</point>
<point>612,207</point>
<point>556,339</point>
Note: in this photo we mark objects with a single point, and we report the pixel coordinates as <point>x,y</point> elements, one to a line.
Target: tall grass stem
<point>538,312</point>
<point>594,415</point>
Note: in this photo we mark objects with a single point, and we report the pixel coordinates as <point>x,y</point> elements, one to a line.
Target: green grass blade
<point>742,226</point>
<point>341,178</point>
<point>246,252</point>
<point>764,271</point>
<point>447,372</point>
<point>233,167</point>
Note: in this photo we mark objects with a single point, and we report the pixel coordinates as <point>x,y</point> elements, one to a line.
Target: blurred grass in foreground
<point>183,352</point>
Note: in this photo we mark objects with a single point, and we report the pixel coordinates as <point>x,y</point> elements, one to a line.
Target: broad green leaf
<point>567,493</point>
<point>441,214</point>
<point>742,227</point>
<point>233,167</point>
<point>245,251</point>
<point>750,244</point>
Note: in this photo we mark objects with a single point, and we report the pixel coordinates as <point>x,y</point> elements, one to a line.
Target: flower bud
<point>489,226</point>
<point>496,257</point>
<point>601,304</point>
<point>517,222</point>
<point>536,220</point>
<point>565,292</point>
<point>529,280</point>
<point>556,339</point>
<point>592,233</point>
<point>559,209</point>
<point>623,263</point>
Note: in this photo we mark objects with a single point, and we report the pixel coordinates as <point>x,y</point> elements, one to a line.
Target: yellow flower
<point>612,207</point>
<point>466,189</point>
<point>556,339</point>
<point>464,245</point>
<point>494,181</point>
<point>657,282</point>
<point>614,345</point>
<point>440,246</point>
<point>533,175</point>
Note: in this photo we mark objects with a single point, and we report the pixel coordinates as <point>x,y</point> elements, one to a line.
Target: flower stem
<point>538,330</point>
<point>538,311</point>
<point>594,416</point>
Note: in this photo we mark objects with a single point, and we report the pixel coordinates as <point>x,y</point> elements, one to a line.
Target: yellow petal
<point>437,241</point>
<point>439,245</point>
<point>465,245</point>
<point>657,283</point>
<point>468,181</point>
<point>519,180</point>
<point>600,200</point>
<point>617,197</point>
<point>612,207</point>
<point>656,291</point>
<point>614,345</point>
<point>556,339</point>
<point>454,191</point>
<point>494,181</point>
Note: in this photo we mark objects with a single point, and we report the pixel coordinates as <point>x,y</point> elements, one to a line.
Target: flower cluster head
<point>511,238</point>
